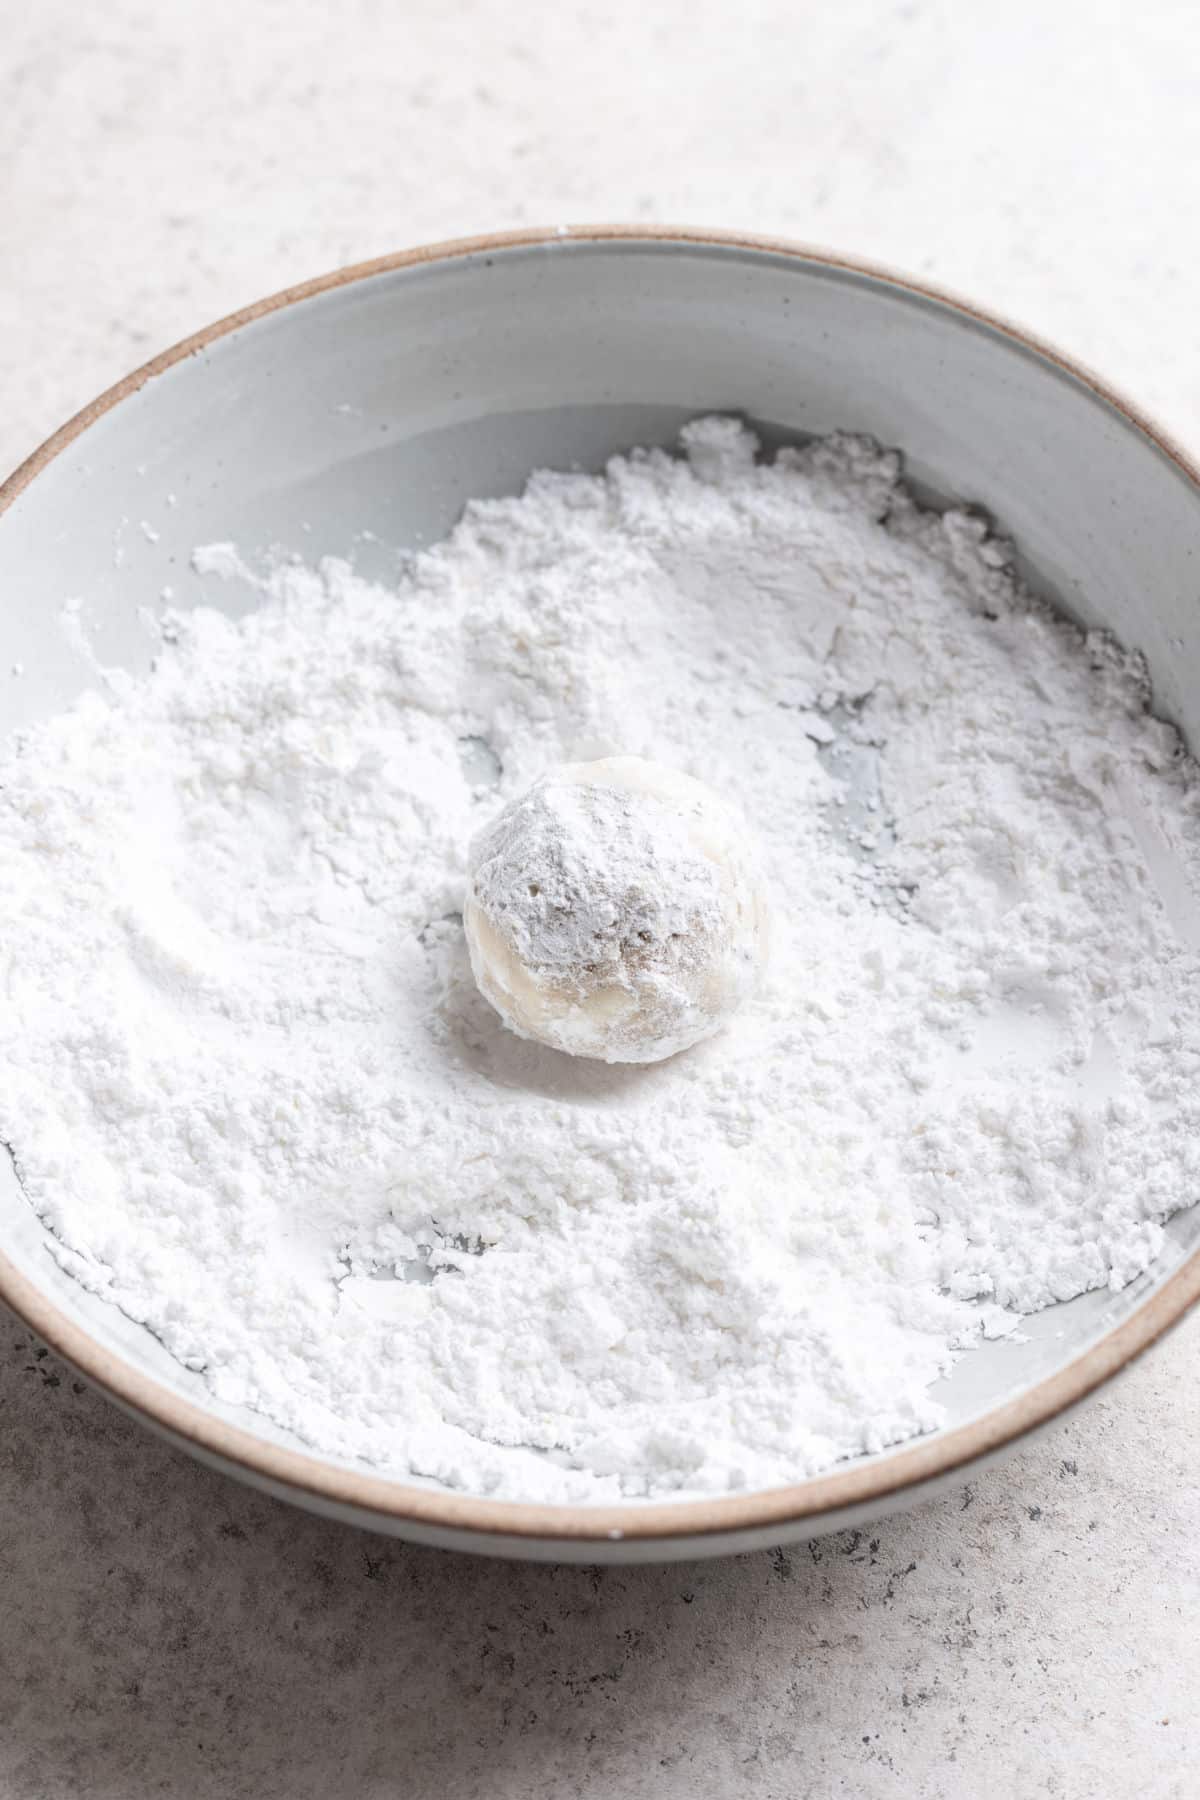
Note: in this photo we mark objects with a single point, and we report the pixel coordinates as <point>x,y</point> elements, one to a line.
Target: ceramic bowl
<point>378,400</point>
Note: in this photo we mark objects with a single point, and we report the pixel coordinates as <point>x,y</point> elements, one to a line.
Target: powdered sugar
<point>248,1072</point>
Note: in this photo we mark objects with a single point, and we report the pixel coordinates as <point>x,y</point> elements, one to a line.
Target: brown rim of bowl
<point>864,1484</point>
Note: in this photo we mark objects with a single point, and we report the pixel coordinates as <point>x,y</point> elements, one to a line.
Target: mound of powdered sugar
<point>254,1093</point>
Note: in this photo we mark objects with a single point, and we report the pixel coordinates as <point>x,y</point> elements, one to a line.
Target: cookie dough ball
<point>616,911</point>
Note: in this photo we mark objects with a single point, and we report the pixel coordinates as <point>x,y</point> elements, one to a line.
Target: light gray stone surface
<point>163,1632</point>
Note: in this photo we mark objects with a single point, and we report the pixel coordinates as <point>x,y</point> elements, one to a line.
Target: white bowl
<point>380,399</point>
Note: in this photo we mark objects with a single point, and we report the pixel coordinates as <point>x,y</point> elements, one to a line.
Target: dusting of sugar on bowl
<point>257,1097</point>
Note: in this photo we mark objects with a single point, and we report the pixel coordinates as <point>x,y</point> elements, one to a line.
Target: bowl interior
<point>359,420</point>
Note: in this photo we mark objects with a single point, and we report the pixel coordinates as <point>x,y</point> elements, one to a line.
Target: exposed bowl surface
<point>378,400</point>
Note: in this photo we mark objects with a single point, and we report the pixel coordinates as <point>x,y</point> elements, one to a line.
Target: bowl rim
<point>876,1482</point>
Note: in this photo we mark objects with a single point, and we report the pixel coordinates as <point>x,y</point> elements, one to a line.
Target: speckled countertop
<point>164,1632</point>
